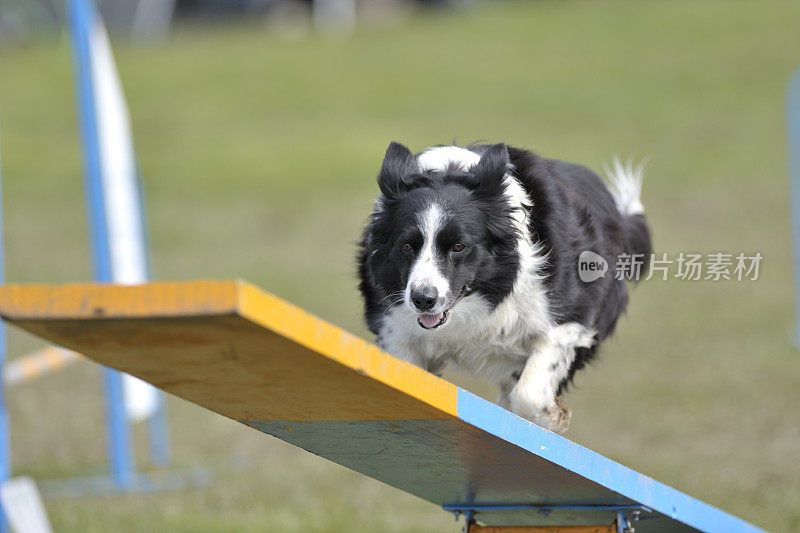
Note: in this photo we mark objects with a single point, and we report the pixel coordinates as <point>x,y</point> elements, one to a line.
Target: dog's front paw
<point>554,417</point>
<point>557,417</point>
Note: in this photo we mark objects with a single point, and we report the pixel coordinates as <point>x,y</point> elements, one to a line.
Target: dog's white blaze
<point>440,157</point>
<point>424,271</point>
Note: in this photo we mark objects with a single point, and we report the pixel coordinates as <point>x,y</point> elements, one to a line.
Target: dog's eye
<point>459,247</point>
<point>407,248</point>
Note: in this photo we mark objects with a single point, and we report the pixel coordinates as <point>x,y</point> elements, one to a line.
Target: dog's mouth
<point>433,321</point>
<point>428,321</point>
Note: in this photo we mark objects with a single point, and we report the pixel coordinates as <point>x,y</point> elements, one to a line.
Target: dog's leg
<point>504,398</point>
<point>534,395</point>
<point>436,365</point>
<point>403,350</point>
<point>406,348</point>
<point>505,386</point>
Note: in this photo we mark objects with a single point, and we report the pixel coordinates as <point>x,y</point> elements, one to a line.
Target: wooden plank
<point>95,301</point>
<point>250,356</point>
<point>210,339</point>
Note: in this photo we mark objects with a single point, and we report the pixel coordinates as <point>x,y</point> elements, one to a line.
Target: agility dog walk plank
<point>250,356</point>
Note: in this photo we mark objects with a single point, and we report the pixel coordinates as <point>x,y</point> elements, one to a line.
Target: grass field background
<point>259,157</point>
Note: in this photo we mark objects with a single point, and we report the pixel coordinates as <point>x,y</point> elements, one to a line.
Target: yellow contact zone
<point>335,343</point>
<point>95,300</point>
<point>211,297</point>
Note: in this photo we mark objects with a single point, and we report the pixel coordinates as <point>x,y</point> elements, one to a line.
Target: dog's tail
<point>625,184</point>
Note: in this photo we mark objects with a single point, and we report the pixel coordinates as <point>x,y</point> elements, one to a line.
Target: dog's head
<point>439,234</point>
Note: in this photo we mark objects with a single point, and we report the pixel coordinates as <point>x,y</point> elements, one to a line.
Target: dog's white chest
<point>476,339</point>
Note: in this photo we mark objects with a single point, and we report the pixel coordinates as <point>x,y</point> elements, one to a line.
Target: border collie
<point>470,258</point>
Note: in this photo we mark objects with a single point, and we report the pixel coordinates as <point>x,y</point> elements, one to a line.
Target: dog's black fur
<point>571,210</point>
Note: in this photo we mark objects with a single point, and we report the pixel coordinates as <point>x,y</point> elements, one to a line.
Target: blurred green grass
<point>259,158</point>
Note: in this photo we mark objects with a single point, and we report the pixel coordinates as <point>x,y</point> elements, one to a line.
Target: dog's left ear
<point>399,165</point>
<point>491,169</point>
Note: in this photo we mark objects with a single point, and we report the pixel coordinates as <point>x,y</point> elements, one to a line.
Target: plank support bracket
<point>626,516</point>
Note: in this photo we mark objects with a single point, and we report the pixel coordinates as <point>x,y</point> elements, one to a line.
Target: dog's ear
<point>399,165</point>
<point>491,169</point>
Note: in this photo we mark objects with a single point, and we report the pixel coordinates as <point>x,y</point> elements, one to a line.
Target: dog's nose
<point>424,297</point>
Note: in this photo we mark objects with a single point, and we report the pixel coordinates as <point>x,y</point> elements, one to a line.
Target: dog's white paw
<point>555,417</point>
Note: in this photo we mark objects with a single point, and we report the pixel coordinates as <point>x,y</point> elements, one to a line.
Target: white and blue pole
<point>793,148</point>
<point>81,22</point>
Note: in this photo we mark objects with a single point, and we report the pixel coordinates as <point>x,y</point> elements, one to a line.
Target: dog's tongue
<point>430,321</point>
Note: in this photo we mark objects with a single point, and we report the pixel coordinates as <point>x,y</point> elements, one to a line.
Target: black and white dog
<point>470,258</point>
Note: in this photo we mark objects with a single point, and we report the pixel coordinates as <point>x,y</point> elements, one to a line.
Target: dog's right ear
<point>399,165</point>
<point>491,170</point>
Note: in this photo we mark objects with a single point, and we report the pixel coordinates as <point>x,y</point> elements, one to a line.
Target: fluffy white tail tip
<point>625,184</point>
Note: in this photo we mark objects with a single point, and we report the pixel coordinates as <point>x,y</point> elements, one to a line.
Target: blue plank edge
<point>493,419</point>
